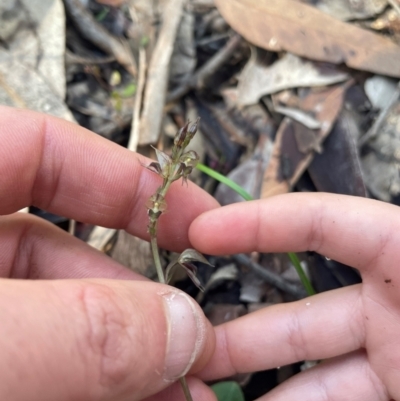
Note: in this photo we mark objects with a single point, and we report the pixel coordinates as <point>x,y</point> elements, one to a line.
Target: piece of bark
<point>100,237</point>
<point>295,144</point>
<point>133,253</point>
<point>301,29</point>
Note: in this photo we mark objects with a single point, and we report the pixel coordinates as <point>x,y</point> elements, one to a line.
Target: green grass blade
<point>224,180</point>
<point>246,196</point>
<point>304,279</point>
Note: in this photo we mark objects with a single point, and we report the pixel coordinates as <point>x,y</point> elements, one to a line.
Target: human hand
<point>106,333</point>
<point>355,329</point>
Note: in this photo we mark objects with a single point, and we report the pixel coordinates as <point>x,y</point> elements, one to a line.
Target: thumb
<point>97,339</point>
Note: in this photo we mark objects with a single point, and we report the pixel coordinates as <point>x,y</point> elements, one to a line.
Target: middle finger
<point>318,327</point>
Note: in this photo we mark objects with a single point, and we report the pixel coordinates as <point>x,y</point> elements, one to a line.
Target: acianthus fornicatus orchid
<point>171,168</point>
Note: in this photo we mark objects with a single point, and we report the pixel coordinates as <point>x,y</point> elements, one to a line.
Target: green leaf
<point>304,279</point>
<point>102,14</point>
<point>228,391</point>
<point>129,90</point>
<point>225,180</point>
<point>144,41</point>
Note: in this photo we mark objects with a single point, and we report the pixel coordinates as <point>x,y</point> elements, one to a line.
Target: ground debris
<point>292,96</point>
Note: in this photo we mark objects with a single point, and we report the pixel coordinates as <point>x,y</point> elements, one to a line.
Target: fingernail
<point>186,331</point>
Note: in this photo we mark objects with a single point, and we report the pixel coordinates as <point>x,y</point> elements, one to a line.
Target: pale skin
<point>102,334</point>
<point>86,328</point>
<point>355,330</point>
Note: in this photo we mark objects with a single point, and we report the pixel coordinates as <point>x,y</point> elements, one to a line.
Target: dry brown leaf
<point>295,144</point>
<point>32,65</point>
<point>257,79</point>
<point>288,25</point>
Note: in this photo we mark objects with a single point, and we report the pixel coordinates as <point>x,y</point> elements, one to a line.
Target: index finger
<point>65,169</point>
<point>359,232</point>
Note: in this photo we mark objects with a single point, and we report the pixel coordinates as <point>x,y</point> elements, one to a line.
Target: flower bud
<point>193,128</point>
<point>181,135</point>
<point>191,131</point>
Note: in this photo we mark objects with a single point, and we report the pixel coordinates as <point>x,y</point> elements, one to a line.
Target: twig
<point>270,277</point>
<point>134,136</point>
<point>72,227</point>
<point>71,58</point>
<point>98,35</point>
<point>208,69</point>
<point>372,132</point>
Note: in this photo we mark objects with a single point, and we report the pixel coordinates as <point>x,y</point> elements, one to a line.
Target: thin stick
<point>270,277</point>
<point>157,260</point>
<point>72,227</point>
<point>208,69</point>
<point>134,137</point>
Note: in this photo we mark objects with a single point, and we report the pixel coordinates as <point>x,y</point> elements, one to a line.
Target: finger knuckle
<point>106,339</point>
<point>295,338</point>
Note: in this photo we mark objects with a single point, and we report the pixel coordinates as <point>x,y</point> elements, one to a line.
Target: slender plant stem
<point>303,278</point>
<point>157,260</point>
<point>185,389</point>
<point>161,279</point>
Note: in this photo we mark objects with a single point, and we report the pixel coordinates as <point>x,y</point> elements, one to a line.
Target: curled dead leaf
<point>185,260</point>
<point>301,29</point>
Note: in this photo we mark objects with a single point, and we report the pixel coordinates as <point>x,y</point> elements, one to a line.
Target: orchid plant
<point>172,168</point>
